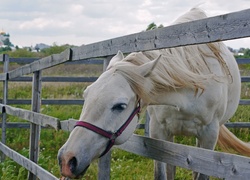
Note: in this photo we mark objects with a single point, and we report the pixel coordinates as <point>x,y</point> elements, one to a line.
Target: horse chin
<point>82,173</point>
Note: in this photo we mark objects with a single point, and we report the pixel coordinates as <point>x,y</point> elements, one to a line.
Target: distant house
<point>41,46</point>
<point>240,54</point>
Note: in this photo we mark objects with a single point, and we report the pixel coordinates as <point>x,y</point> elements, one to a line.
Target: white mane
<point>181,67</point>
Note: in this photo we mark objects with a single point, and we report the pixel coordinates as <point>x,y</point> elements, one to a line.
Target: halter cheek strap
<point>110,135</point>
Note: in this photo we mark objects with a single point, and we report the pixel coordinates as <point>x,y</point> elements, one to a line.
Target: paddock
<point>224,27</point>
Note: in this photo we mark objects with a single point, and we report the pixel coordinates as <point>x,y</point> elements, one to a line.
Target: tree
<point>37,48</point>
<point>55,49</point>
<point>247,53</point>
<point>152,26</point>
<point>241,50</point>
<point>5,49</point>
<point>22,53</point>
<point>7,42</point>
<point>160,26</point>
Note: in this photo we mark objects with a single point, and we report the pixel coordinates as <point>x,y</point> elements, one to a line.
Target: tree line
<point>24,52</point>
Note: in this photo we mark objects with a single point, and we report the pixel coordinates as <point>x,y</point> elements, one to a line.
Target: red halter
<point>110,135</point>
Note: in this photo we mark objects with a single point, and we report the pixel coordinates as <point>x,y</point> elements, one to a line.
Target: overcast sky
<point>80,22</point>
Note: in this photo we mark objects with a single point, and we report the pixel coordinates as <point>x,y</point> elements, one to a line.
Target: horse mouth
<point>80,175</point>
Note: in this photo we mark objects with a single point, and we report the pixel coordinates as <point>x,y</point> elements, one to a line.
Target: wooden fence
<point>86,79</point>
<point>225,27</point>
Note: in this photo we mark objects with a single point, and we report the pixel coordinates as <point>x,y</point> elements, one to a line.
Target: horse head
<point>109,116</point>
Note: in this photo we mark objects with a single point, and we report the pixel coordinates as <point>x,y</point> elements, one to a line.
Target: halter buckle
<point>113,136</point>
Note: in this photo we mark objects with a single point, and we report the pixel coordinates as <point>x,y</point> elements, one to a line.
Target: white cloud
<point>43,23</point>
<point>76,9</point>
<point>83,21</point>
<point>144,15</point>
<point>147,3</point>
<point>39,23</point>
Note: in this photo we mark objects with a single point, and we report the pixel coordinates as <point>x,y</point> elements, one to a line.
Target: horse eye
<point>119,107</point>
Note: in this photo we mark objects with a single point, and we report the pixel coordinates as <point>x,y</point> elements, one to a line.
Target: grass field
<point>124,165</point>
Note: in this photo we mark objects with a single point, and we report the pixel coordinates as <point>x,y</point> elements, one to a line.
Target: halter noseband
<point>110,135</point>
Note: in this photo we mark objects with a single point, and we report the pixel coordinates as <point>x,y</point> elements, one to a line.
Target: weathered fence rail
<point>27,163</point>
<point>24,60</point>
<point>31,116</point>
<point>208,162</point>
<point>224,27</point>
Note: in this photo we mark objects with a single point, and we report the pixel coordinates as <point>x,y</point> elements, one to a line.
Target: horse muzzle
<point>69,165</point>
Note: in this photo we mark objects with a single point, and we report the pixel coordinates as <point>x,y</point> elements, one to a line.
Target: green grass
<point>124,165</point>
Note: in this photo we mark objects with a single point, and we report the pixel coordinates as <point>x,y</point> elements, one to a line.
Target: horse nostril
<point>72,164</point>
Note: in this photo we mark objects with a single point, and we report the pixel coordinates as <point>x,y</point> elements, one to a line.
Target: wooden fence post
<point>34,128</point>
<point>104,167</point>
<point>146,132</point>
<point>106,62</point>
<point>5,98</point>
<point>105,161</point>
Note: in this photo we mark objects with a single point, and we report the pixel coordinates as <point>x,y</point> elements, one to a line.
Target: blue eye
<point>119,107</point>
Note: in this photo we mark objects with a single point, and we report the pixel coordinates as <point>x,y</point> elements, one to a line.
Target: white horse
<point>191,90</point>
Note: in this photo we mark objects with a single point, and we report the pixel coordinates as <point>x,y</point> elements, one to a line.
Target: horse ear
<point>118,57</point>
<point>147,68</point>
